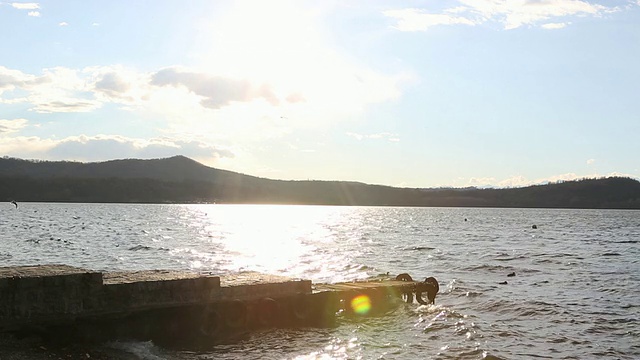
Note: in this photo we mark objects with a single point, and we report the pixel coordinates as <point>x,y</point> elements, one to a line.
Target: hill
<point>182,180</point>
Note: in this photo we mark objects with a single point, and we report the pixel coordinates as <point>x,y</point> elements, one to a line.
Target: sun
<point>268,41</point>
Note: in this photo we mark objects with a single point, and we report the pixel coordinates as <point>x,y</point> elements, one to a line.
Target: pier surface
<point>166,303</point>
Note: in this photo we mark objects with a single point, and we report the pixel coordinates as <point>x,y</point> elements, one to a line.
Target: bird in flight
<point>14,203</point>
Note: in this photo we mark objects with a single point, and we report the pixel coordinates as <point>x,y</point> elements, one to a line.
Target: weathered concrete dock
<point>173,306</point>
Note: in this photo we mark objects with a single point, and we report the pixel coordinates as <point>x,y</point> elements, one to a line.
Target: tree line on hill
<point>182,180</point>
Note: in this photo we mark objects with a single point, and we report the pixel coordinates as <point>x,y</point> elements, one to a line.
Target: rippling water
<point>575,293</point>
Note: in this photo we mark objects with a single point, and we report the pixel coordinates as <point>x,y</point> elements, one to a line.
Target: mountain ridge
<point>179,179</point>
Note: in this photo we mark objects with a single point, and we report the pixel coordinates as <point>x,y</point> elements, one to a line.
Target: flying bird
<point>14,203</point>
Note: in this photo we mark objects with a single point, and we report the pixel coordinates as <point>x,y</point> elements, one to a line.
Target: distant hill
<point>182,180</point>
<point>177,168</point>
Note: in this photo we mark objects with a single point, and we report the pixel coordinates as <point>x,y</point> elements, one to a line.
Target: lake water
<point>576,293</point>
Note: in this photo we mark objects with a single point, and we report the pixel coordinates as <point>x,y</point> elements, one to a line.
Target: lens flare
<point>361,304</point>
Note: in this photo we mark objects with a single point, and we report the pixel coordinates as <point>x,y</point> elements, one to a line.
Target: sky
<point>407,93</point>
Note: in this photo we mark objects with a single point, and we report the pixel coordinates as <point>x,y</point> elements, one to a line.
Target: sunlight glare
<point>264,40</point>
<point>361,304</point>
<point>275,240</point>
<point>283,45</point>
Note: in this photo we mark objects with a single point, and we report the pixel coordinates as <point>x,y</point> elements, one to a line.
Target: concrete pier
<point>177,306</point>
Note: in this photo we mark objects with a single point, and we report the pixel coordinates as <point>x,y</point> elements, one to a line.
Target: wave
<point>489,268</point>
<point>557,255</point>
<point>629,306</point>
<point>419,248</point>
<point>140,349</point>
<point>140,247</point>
<point>442,312</point>
<point>526,309</point>
<point>512,258</point>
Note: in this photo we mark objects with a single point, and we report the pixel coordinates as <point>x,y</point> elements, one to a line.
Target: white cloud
<point>281,44</point>
<point>68,105</point>
<point>64,23</point>
<point>510,13</point>
<point>107,147</point>
<point>26,147</point>
<point>420,20</point>
<point>64,91</point>
<point>591,161</point>
<point>11,126</point>
<point>522,181</point>
<point>215,91</point>
<point>26,6</point>
<point>384,136</point>
<point>266,72</point>
<point>573,176</point>
<point>554,26</point>
<point>12,79</point>
<point>218,106</point>
<point>517,181</point>
<point>112,83</point>
<point>479,182</point>
<point>117,85</point>
<point>528,12</point>
<point>34,13</point>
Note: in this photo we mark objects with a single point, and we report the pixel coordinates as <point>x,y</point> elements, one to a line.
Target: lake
<point>575,293</point>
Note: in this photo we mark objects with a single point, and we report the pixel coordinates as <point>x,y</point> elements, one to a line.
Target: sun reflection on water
<point>290,240</point>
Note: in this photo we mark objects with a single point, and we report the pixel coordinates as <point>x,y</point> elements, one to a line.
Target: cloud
<point>522,181</point>
<point>65,90</point>
<point>514,14</point>
<point>112,84</point>
<point>295,98</point>
<point>25,6</point>
<point>11,126</point>
<point>384,136</point>
<point>480,182</point>
<point>34,13</point>
<point>574,176</point>
<point>420,20</point>
<point>222,108</point>
<point>283,44</point>
<point>57,90</point>
<point>108,147</point>
<point>245,86</point>
<point>553,26</point>
<point>26,147</point>
<point>216,91</point>
<point>11,79</point>
<point>517,181</point>
<point>511,14</point>
<point>67,106</point>
<point>64,23</point>
<point>591,161</point>
<point>118,85</point>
